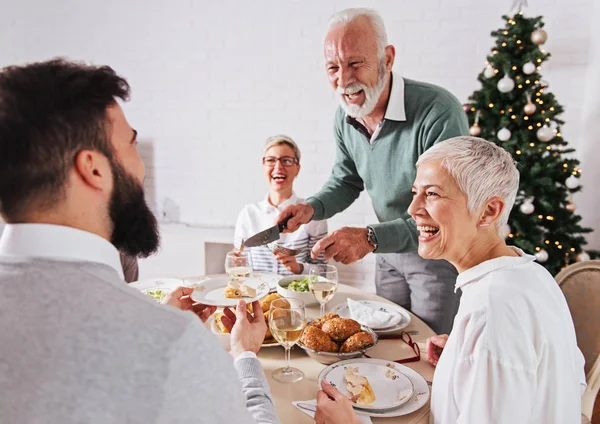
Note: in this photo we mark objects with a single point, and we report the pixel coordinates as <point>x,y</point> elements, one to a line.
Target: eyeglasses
<point>405,337</point>
<point>286,161</point>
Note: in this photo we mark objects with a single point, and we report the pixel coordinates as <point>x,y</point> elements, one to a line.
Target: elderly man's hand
<point>333,407</point>
<point>345,245</point>
<point>247,331</point>
<point>298,214</point>
<point>180,299</point>
<point>435,346</point>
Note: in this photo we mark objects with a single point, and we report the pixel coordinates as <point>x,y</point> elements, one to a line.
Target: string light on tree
<point>571,206</point>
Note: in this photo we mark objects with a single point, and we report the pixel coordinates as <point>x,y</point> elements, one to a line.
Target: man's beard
<point>135,230</point>
<point>372,94</point>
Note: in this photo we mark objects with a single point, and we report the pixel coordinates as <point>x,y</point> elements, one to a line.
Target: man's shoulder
<point>421,94</point>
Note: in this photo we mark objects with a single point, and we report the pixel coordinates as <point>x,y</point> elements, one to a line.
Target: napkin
<point>370,317</point>
<point>312,404</point>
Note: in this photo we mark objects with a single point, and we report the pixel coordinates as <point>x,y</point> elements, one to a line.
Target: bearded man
<point>384,123</point>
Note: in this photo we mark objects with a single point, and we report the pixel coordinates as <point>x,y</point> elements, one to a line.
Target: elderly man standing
<point>384,124</point>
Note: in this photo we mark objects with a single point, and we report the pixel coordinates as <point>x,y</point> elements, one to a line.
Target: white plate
<point>392,388</point>
<point>268,277</point>
<point>343,311</point>
<point>210,292</point>
<point>417,400</point>
<point>158,283</point>
<point>224,338</point>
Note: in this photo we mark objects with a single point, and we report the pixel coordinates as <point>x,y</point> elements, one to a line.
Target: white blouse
<point>512,356</point>
<point>259,216</point>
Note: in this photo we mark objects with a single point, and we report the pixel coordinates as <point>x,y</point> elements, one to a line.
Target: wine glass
<point>287,320</point>
<point>323,283</point>
<point>238,264</point>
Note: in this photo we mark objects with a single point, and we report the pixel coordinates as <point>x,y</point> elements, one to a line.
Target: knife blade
<point>267,236</point>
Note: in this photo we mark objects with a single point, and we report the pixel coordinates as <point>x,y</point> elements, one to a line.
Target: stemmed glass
<point>323,283</point>
<point>287,320</point>
<point>238,264</point>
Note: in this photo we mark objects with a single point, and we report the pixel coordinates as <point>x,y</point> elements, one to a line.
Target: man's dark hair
<point>49,112</point>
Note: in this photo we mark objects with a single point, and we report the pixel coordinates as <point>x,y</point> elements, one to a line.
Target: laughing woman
<point>281,165</point>
<point>512,355</point>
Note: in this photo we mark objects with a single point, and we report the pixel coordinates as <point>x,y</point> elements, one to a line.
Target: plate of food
<point>223,335</point>
<point>343,310</point>
<point>371,386</point>
<point>387,382</point>
<point>227,291</point>
<point>332,338</point>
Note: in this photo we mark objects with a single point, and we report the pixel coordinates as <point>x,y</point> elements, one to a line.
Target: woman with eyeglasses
<point>512,355</point>
<point>281,165</point>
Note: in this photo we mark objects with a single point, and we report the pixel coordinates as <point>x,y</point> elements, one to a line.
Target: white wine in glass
<point>323,283</point>
<point>287,320</point>
<point>238,264</point>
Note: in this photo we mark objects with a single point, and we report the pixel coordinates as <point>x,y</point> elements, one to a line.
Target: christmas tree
<point>514,109</point>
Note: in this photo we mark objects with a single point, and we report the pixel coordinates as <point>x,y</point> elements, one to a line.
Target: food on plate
<point>330,333</point>
<point>315,339</point>
<point>158,295</point>
<point>237,289</point>
<point>319,322</point>
<point>357,341</point>
<point>359,387</point>
<point>220,327</point>
<point>299,285</point>
<point>219,323</point>
<point>265,302</point>
<point>339,329</point>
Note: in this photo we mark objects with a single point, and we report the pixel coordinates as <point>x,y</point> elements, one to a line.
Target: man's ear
<point>94,169</point>
<point>390,54</point>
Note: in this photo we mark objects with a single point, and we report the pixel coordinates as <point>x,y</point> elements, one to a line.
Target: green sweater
<point>386,167</point>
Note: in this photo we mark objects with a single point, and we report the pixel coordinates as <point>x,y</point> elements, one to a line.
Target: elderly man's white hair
<point>348,16</point>
<point>482,170</point>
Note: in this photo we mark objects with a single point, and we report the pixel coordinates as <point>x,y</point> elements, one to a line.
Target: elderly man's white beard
<point>372,95</point>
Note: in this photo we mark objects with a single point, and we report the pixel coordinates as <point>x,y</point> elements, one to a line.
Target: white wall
<point>212,79</point>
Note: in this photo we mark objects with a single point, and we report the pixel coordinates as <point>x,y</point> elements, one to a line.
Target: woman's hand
<point>333,407</point>
<point>290,263</point>
<point>435,346</point>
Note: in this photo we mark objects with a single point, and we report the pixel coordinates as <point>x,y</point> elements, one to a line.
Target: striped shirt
<point>259,216</point>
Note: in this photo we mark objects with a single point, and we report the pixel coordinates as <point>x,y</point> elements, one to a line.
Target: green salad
<point>158,295</point>
<point>299,285</point>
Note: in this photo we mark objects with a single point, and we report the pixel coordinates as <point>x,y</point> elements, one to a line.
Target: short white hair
<point>348,16</point>
<point>481,169</point>
<point>278,140</point>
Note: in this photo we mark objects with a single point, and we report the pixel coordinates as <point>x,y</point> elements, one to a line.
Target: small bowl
<point>328,358</point>
<point>306,297</point>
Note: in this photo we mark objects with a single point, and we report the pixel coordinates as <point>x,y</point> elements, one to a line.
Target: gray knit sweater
<point>77,345</point>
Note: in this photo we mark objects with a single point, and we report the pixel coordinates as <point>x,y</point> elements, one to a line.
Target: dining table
<point>283,395</point>
<point>273,357</point>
